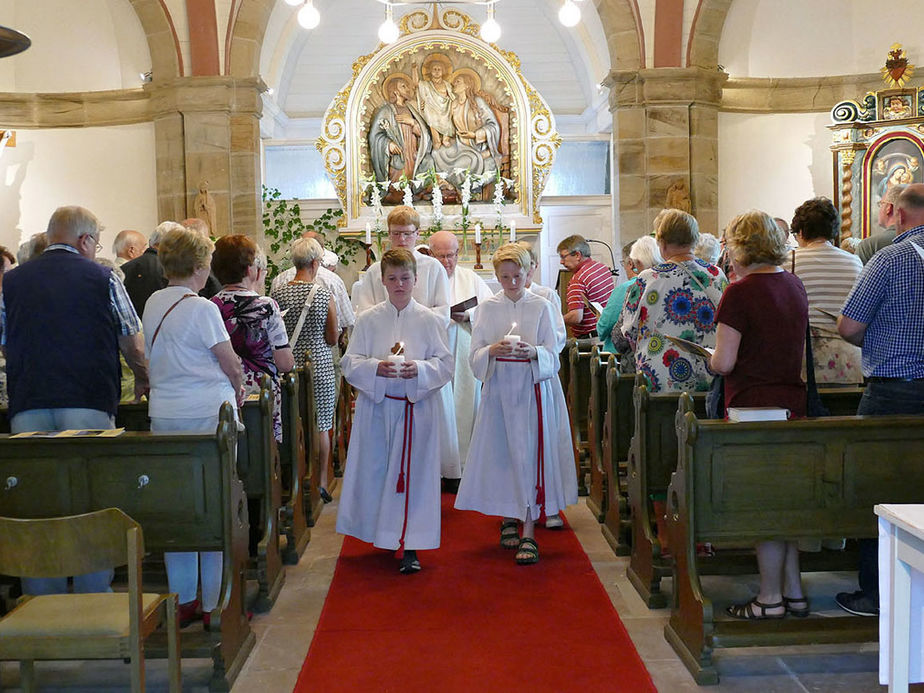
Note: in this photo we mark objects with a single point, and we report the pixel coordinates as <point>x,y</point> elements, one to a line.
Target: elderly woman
<point>760,344</point>
<point>637,256</point>
<point>254,322</point>
<point>193,371</point>
<point>828,275</point>
<point>311,320</point>
<point>676,298</point>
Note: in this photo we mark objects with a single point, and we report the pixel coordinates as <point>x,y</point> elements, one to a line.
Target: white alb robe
<point>501,471</point>
<point>431,291</point>
<point>466,389</point>
<point>550,295</point>
<point>371,508</point>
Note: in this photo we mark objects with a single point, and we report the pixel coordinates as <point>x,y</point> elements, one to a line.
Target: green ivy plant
<point>282,224</point>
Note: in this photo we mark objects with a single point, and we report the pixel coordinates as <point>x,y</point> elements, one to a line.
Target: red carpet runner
<point>471,620</point>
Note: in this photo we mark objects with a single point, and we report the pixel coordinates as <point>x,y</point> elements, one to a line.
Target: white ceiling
<point>307,69</point>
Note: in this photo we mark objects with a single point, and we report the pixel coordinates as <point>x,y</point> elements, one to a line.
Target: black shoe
<point>451,485</point>
<point>409,564</point>
<point>325,496</point>
<point>857,603</point>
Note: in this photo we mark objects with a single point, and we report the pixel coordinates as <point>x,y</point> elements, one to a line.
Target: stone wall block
<point>704,155</point>
<point>632,193</point>
<point>632,225</point>
<point>630,157</point>
<point>670,121</point>
<point>629,123</point>
<point>668,155</point>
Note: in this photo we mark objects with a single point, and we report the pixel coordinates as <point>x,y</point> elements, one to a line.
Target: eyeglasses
<point>562,256</point>
<point>99,246</point>
<point>402,234</point>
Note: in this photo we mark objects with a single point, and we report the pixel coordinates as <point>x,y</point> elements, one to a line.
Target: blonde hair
<point>399,258</point>
<point>754,238</point>
<point>676,227</point>
<point>511,252</point>
<point>182,252</point>
<point>402,216</point>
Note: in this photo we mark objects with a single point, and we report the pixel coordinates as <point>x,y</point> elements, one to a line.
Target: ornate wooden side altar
<point>444,122</point>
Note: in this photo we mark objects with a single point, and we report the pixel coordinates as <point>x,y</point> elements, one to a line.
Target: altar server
<point>432,291</point>
<point>391,487</point>
<point>513,468</point>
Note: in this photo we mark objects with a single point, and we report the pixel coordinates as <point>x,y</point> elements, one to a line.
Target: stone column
<point>207,128</point>
<point>666,131</point>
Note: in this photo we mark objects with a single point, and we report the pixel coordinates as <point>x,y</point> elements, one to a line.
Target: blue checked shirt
<point>889,298</point>
<point>121,306</point>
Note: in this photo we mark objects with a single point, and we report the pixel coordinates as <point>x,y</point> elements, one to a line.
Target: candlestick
<point>368,247</point>
<point>477,234</point>
<point>368,233</point>
<point>478,264</point>
<point>513,230</point>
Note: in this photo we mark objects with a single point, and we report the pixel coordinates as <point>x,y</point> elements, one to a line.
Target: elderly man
<point>431,291</point>
<point>463,285</point>
<point>887,217</point>
<point>883,316</point>
<point>128,245</point>
<point>591,282</point>
<point>65,320</point>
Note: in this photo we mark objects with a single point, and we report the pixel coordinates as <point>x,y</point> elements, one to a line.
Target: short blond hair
<point>533,258</point>
<point>182,252</point>
<point>402,216</point>
<point>676,227</point>
<point>754,238</point>
<point>511,252</point>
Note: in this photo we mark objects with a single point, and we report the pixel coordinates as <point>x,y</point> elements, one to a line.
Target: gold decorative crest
<point>897,70</point>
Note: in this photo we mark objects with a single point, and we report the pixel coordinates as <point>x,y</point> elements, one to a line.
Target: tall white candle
<point>513,230</point>
<point>477,233</point>
<point>368,233</point>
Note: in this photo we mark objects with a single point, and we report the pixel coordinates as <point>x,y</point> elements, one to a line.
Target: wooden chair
<point>110,625</point>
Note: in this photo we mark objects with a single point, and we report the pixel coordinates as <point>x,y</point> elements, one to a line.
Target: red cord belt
<point>540,454</point>
<point>404,479</point>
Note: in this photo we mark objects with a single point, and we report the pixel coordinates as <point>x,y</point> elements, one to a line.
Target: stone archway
<point>245,37</point>
<point>624,35</point>
<point>703,46</point>
<point>166,59</point>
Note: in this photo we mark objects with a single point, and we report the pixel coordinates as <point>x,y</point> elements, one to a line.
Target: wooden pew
<point>596,412</point>
<point>578,393</point>
<point>259,469</point>
<point>292,459</point>
<point>748,482</point>
<point>182,488</point>
<point>618,424</point>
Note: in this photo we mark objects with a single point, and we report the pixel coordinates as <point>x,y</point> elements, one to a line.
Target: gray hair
<point>305,251</point>
<point>67,224</point>
<point>162,228</point>
<point>892,194</point>
<point>31,249</point>
<point>106,262</point>
<point>646,252</point>
<point>575,244</point>
<point>708,248</point>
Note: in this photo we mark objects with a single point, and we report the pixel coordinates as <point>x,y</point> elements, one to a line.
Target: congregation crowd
<point>456,386</point>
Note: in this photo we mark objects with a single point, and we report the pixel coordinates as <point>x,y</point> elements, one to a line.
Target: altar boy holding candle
<point>513,468</point>
<point>398,360</point>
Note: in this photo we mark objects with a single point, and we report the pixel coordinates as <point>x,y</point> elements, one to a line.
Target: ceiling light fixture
<point>490,30</point>
<point>294,3</point>
<point>388,31</point>
<point>308,16</point>
<point>569,14</point>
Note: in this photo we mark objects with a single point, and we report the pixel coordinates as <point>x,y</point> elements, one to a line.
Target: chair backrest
<point>72,545</point>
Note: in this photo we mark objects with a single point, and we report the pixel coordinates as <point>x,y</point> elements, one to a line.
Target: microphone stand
<point>615,270</point>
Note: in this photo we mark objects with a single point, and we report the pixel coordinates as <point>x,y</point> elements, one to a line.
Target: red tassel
<point>400,487</point>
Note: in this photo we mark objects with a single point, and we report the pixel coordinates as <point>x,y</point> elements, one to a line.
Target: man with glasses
<point>887,218</point>
<point>65,318</point>
<point>591,282</point>
<point>463,285</point>
<point>431,291</point>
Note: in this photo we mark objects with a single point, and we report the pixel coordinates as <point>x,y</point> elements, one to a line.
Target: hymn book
<point>465,305</point>
<point>691,347</point>
<point>741,414</point>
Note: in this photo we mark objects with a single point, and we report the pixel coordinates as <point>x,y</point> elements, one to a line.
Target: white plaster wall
<point>108,170</point>
<point>772,162</point>
<point>812,38</point>
<point>90,45</point>
<point>588,216</point>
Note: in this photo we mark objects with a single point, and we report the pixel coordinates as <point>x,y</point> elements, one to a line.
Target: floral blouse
<point>669,300</point>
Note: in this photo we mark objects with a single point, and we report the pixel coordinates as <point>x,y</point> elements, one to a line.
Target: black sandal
<point>509,534</point>
<point>793,611</point>
<point>527,551</point>
<point>755,611</point>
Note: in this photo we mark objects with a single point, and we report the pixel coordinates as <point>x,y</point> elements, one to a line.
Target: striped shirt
<point>592,280</point>
<point>828,275</point>
<point>888,299</point>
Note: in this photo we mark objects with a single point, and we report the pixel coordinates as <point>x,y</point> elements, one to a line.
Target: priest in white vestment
<point>463,285</point>
<point>391,486</point>
<point>432,291</point>
<point>518,422</point>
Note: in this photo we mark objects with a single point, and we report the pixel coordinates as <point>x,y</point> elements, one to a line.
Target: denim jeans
<point>880,399</point>
<point>63,419</point>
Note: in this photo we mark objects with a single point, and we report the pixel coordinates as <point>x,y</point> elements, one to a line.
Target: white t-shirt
<point>186,378</point>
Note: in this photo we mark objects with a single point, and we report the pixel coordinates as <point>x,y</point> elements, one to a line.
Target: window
<point>582,167</point>
<point>297,170</point>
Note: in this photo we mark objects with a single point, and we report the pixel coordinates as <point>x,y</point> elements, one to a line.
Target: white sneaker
<point>553,522</point>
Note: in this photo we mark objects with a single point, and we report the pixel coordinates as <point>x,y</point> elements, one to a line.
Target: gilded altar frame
<point>532,142</point>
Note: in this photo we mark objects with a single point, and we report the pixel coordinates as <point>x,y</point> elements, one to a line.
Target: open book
<point>739,414</point>
<point>691,347</point>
